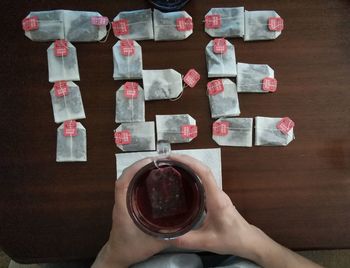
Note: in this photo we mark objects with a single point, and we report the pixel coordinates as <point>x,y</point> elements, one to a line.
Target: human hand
<point>127,244</point>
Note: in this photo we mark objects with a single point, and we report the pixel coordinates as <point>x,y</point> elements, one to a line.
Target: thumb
<point>192,240</point>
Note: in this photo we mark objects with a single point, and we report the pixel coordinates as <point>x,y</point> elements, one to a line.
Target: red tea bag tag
<point>192,77</point>
<point>30,24</point>
<point>215,87</point>
<point>127,47</point>
<point>213,21</point>
<point>189,131</point>
<point>269,84</point>
<point>70,128</point>
<point>184,24</point>
<point>99,21</point>
<point>131,90</point>
<point>275,24</point>
<point>220,128</point>
<point>122,137</point>
<point>61,88</point>
<point>61,48</point>
<point>285,125</point>
<point>120,27</point>
<point>220,46</point>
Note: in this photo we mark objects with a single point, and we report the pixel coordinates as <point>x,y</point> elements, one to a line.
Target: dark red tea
<point>166,199</point>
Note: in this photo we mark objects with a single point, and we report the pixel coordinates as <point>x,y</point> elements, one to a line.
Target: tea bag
<point>130,103</point>
<point>221,58</point>
<point>255,78</point>
<point>77,26</point>
<point>179,128</point>
<point>66,102</point>
<point>262,25</point>
<point>223,98</point>
<point>233,132</point>
<point>127,60</point>
<point>135,25</point>
<point>166,192</point>
<point>71,142</point>
<point>225,22</point>
<point>162,84</point>
<point>172,25</point>
<point>271,131</point>
<point>62,62</point>
<point>139,136</point>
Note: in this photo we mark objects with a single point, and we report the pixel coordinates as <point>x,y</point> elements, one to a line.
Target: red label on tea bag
<point>269,84</point>
<point>70,128</point>
<point>220,46</point>
<point>285,125</point>
<point>214,87</point>
<point>61,48</point>
<point>275,24</point>
<point>99,21</point>
<point>131,90</point>
<point>184,24</point>
<point>220,128</point>
<point>120,27</point>
<point>191,78</point>
<point>189,131</point>
<point>127,47</point>
<point>30,24</point>
<point>122,137</point>
<point>60,88</point>
<point>213,21</point>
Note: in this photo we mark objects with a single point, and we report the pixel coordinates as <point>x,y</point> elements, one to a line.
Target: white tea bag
<point>140,136</point>
<point>221,58</point>
<point>162,84</point>
<point>262,25</point>
<point>130,103</point>
<point>255,78</point>
<point>77,26</point>
<point>225,22</point>
<point>271,131</point>
<point>233,132</point>
<point>127,60</point>
<point>177,128</point>
<point>84,26</point>
<point>223,98</point>
<point>62,62</point>
<point>66,100</point>
<point>172,25</point>
<point>135,25</point>
<point>71,142</point>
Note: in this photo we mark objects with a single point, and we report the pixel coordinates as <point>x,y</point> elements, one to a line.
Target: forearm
<point>108,259</point>
<point>269,254</point>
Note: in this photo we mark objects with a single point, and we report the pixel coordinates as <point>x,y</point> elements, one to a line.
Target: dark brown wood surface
<point>299,194</point>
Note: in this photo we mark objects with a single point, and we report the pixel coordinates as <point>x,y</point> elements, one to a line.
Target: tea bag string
<point>184,85</point>
<point>222,18</point>
<point>277,130</point>
<point>234,128</point>
<point>109,27</point>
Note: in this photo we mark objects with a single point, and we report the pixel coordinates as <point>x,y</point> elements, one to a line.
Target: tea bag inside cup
<point>135,25</point>
<point>172,25</point>
<point>82,26</point>
<point>223,98</point>
<point>233,132</point>
<point>225,22</point>
<point>62,62</point>
<point>66,100</point>
<point>262,25</point>
<point>71,142</point>
<point>221,58</point>
<point>130,103</point>
<point>127,60</point>
<point>44,25</point>
<point>270,131</point>
<point>255,78</point>
<point>162,84</point>
<point>178,128</point>
<point>138,136</point>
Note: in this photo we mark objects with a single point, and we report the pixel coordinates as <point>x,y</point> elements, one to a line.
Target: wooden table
<point>299,194</point>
